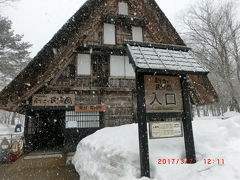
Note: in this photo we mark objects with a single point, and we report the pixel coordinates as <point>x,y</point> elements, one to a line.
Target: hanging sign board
<point>53,100</point>
<point>165,129</point>
<point>163,94</point>
<point>91,108</point>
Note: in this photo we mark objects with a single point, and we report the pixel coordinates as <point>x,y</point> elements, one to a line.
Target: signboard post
<point>163,96</point>
<point>142,126</point>
<point>187,122</point>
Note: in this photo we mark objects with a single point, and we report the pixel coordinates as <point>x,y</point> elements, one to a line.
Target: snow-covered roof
<point>165,59</point>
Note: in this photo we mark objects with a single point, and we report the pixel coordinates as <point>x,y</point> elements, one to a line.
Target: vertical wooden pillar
<point>187,122</point>
<point>100,95</point>
<point>26,135</point>
<point>142,126</point>
<point>26,123</point>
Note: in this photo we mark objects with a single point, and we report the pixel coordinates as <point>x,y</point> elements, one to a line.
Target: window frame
<point>104,32</point>
<point>83,120</point>
<point>124,76</point>
<point>121,6</point>
<point>122,58</point>
<point>77,64</point>
<point>142,37</point>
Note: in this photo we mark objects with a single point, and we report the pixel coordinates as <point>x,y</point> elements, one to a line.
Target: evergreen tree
<point>14,56</point>
<point>14,53</point>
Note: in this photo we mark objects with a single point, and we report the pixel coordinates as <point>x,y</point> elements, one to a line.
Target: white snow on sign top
<point>113,153</point>
<point>165,59</point>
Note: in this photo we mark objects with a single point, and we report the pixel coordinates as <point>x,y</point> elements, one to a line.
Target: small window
<point>84,64</point>
<point>120,67</point>
<point>123,8</point>
<point>117,66</point>
<point>109,34</point>
<point>82,119</point>
<point>137,34</point>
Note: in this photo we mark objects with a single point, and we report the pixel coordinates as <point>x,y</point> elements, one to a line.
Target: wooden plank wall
<point>120,108</point>
<point>121,105</point>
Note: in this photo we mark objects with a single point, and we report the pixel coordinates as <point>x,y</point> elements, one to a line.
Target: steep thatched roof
<point>45,64</point>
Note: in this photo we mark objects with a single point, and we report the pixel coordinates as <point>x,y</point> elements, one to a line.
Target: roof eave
<point>169,72</point>
<point>157,45</point>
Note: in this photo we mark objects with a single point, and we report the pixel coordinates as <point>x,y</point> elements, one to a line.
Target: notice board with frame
<point>176,104</point>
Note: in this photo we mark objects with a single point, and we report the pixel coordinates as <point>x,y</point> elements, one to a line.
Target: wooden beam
<point>158,45</point>
<point>42,108</point>
<point>168,72</point>
<point>106,49</point>
<point>124,20</point>
<point>153,116</point>
<point>26,128</point>
<point>67,88</point>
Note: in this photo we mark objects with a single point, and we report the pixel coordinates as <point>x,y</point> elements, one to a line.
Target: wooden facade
<point>56,70</point>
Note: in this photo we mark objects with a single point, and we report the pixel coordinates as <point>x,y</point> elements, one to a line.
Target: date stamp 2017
<point>175,161</point>
<point>189,161</point>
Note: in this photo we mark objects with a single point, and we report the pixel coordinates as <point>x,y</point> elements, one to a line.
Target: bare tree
<point>213,31</point>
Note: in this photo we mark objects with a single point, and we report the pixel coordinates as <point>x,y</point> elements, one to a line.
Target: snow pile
<point>6,129</point>
<point>112,153</point>
<point>230,114</point>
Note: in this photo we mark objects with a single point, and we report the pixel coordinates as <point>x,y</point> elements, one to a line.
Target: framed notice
<point>163,94</point>
<point>53,100</point>
<point>162,129</point>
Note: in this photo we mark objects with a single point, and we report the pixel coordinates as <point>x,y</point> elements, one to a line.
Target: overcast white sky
<point>39,20</point>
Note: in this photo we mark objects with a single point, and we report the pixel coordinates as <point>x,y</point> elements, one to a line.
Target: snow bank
<point>230,114</point>
<point>6,129</point>
<point>112,153</point>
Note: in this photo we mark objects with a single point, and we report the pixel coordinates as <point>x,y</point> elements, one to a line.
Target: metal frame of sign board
<point>143,116</point>
<point>150,129</point>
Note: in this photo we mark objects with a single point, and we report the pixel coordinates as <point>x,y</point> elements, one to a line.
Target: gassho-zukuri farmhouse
<point>84,78</point>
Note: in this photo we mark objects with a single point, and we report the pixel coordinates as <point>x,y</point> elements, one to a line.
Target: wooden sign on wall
<point>91,108</point>
<point>163,94</point>
<point>53,100</point>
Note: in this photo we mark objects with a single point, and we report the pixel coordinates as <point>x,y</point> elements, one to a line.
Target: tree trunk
<point>234,100</point>
<point>198,112</point>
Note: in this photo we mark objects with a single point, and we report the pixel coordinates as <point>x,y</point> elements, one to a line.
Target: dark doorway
<point>48,130</point>
<point>100,69</point>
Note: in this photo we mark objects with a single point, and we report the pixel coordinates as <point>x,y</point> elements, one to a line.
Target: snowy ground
<point>112,153</point>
